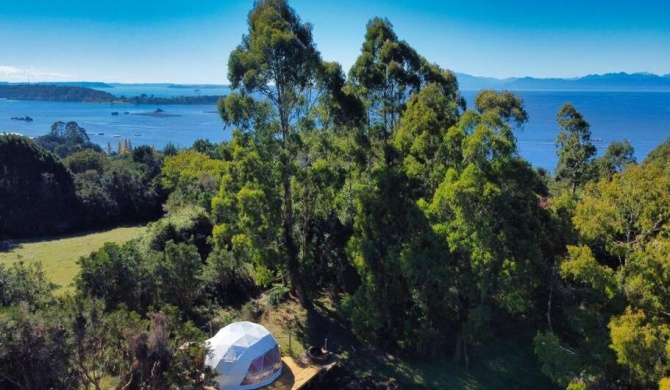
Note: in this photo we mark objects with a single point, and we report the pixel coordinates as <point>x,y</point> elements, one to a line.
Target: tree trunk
<point>293,264</point>
<point>459,348</point>
<point>551,293</point>
<point>461,353</point>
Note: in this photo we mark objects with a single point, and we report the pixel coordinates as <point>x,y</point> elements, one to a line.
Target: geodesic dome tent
<point>245,355</point>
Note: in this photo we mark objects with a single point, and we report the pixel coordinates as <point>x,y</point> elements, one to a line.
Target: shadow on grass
<point>324,323</point>
<point>9,246</point>
<point>12,244</point>
<point>15,243</point>
<point>324,327</point>
<point>506,363</point>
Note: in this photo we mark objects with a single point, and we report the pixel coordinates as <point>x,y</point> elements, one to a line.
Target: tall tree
<point>278,60</point>
<point>508,105</point>
<point>388,72</point>
<point>487,212</point>
<point>410,105</point>
<point>420,138</point>
<point>617,156</point>
<point>575,149</point>
<point>247,209</point>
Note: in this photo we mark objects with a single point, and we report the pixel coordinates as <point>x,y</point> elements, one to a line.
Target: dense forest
<point>378,188</point>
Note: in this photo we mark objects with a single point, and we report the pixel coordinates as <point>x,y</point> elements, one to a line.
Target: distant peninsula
<point>78,93</point>
<point>53,93</point>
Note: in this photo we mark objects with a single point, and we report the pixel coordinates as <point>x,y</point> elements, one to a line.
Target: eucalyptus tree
<point>278,78</point>
<point>508,105</point>
<point>410,105</point>
<point>422,138</point>
<point>617,156</point>
<point>486,211</point>
<point>388,72</point>
<point>575,149</point>
<point>450,237</point>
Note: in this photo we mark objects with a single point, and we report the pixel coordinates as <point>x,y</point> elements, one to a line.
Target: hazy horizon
<point>187,83</point>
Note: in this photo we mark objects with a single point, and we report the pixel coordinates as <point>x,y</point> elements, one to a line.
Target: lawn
<point>59,255</point>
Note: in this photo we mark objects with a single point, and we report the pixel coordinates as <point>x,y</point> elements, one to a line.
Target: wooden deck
<point>294,375</point>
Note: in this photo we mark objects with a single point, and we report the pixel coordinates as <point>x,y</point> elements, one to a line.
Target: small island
<point>22,118</point>
<point>159,113</point>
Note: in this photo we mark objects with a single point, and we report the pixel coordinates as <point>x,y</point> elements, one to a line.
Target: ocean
<point>643,118</point>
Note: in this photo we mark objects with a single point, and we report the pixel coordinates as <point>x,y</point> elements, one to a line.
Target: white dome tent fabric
<point>245,355</point>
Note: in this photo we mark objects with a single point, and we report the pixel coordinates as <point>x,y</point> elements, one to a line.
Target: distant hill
<point>63,93</point>
<point>83,84</point>
<point>53,93</point>
<point>605,82</point>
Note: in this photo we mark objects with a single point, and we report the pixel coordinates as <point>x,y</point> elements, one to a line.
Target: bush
<point>278,293</point>
<point>188,225</point>
<point>251,311</point>
<point>227,277</point>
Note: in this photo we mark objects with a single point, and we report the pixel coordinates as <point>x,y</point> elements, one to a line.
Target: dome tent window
<point>245,355</point>
<point>263,367</point>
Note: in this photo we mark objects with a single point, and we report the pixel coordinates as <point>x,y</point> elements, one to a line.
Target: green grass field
<point>59,255</point>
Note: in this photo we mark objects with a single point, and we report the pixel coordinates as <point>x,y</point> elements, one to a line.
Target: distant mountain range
<point>605,82</point>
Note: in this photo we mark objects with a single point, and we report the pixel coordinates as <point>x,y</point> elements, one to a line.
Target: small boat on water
<point>101,133</point>
<point>115,113</point>
<point>158,110</point>
<point>116,135</point>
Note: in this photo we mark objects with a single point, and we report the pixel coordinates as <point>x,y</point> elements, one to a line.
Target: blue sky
<point>188,41</point>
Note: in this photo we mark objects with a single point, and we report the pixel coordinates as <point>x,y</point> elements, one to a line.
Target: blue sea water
<point>641,117</point>
<point>191,122</point>
<point>163,90</point>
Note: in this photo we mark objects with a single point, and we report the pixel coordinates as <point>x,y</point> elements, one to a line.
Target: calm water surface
<point>641,117</point>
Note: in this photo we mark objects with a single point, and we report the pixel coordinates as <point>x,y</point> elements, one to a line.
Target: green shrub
<point>278,293</point>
